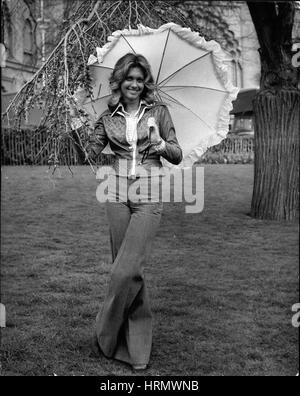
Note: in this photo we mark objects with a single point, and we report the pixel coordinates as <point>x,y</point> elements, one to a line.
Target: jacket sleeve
<point>97,140</point>
<point>172,151</point>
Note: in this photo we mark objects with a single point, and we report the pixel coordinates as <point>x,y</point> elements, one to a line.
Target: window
<point>236,73</point>
<point>28,43</point>
<point>7,38</point>
<point>244,124</point>
<point>231,59</point>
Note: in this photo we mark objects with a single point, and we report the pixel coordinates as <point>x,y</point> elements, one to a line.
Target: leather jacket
<point>111,128</point>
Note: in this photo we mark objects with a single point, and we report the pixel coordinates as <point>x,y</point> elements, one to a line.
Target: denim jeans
<point>124,324</point>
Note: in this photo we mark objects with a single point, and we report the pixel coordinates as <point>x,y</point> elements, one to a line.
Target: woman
<point>140,131</point>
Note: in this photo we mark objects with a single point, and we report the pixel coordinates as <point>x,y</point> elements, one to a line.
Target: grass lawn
<point>221,283</point>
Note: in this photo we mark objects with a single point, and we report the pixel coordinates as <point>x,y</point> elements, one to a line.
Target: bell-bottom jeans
<point>124,323</point>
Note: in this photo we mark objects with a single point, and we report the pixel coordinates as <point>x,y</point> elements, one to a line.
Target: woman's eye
<point>138,80</point>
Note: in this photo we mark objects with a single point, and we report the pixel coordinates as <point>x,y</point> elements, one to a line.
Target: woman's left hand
<point>154,135</point>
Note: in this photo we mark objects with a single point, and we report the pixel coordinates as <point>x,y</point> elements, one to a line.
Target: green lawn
<point>222,284</point>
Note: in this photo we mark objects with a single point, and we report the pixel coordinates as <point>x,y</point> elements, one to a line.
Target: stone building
<point>246,55</point>
<point>20,39</point>
<point>29,31</point>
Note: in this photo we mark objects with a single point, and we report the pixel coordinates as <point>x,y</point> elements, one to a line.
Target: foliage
<point>227,158</point>
<point>209,16</point>
<point>232,150</point>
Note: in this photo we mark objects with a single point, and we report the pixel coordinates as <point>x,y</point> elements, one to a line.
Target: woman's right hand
<point>80,96</point>
<point>72,109</point>
<point>77,101</point>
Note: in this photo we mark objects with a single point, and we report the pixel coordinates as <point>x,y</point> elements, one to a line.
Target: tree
<point>277,115</point>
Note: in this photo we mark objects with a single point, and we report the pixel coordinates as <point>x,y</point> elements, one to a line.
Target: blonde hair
<point>120,73</point>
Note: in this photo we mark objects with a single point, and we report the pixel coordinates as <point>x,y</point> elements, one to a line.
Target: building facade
<point>28,35</point>
<point>20,41</point>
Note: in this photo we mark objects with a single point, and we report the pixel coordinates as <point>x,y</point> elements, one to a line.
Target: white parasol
<point>190,75</point>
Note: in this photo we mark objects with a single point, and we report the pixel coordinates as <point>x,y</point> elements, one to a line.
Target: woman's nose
<point>134,83</point>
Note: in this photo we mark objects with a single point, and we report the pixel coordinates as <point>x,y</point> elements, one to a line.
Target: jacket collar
<point>120,107</point>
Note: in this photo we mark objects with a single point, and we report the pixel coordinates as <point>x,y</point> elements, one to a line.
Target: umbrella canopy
<point>190,76</point>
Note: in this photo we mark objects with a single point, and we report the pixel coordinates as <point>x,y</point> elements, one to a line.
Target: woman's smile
<point>133,90</point>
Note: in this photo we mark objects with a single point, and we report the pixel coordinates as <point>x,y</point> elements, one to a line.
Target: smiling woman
<point>139,131</point>
<point>129,69</point>
<point>133,86</point>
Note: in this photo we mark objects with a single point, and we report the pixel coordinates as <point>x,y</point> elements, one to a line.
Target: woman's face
<point>133,85</point>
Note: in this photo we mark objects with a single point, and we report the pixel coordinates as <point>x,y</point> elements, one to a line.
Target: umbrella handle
<point>145,153</point>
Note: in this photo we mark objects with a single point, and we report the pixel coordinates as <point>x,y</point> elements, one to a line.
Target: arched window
<point>7,40</point>
<point>237,76</point>
<point>28,42</point>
